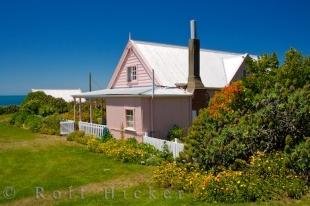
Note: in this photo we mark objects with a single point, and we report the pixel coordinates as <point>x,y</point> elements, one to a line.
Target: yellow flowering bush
<point>124,150</point>
<point>264,179</point>
<point>171,175</point>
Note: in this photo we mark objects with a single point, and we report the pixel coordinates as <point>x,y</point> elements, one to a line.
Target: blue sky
<point>55,43</point>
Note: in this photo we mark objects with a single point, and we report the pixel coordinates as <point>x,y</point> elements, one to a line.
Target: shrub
<point>31,107</point>
<point>37,105</point>
<point>222,100</point>
<point>299,159</point>
<point>265,178</point>
<point>153,160</point>
<point>75,136</point>
<point>170,176</point>
<point>34,123</point>
<point>124,150</point>
<point>277,120</point>
<point>19,118</point>
<point>175,132</point>
<point>106,135</point>
<point>50,125</point>
<point>8,109</point>
<point>166,154</point>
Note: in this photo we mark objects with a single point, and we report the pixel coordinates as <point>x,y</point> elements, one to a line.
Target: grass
<point>10,134</point>
<point>52,165</point>
<point>29,160</point>
<point>57,167</point>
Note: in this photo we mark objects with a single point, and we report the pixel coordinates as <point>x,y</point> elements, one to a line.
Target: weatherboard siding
<point>116,116</point>
<point>143,78</point>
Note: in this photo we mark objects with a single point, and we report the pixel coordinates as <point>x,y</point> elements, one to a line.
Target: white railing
<point>173,146</point>
<point>66,127</point>
<point>93,129</point>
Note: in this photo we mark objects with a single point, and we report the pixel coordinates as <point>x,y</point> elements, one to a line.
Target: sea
<point>6,100</point>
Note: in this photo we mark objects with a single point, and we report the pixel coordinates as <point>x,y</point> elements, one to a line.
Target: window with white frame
<point>131,73</point>
<point>134,73</point>
<point>130,118</point>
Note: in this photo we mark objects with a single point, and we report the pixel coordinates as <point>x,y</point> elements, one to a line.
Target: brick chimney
<point>194,81</point>
<point>195,86</point>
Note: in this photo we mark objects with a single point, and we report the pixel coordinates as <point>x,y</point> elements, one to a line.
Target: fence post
<point>145,135</point>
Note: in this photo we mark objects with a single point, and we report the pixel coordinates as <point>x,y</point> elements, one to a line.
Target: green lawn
<point>29,160</point>
<point>10,134</point>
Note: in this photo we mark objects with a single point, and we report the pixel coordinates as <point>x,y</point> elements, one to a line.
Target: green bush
<point>19,118</point>
<point>299,159</point>
<point>42,104</point>
<point>264,178</point>
<point>80,137</point>
<point>153,160</point>
<point>106,135</point>
<point>40,113</point>
<point>166,154</point>
<point>124,150</point>
<point>50,125</point>
<point>8,109</point>
<point>175,132</point>
<point>271,113</point>
<point>33,122</point>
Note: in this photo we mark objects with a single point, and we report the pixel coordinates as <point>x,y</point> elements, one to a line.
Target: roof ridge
<point>183,47</point>
<point>225,73</point>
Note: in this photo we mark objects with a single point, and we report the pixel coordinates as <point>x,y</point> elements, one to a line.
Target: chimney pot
<point>193,29</point>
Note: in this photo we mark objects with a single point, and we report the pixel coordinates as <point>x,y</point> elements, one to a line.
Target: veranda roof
<point>134,92</point>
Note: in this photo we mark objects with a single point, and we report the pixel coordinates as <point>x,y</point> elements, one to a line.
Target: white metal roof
<point>134,91</point>
<point>65,94</point>
<point>170,64</point>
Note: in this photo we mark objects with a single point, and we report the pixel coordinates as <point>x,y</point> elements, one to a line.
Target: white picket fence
<point>93,129</point>
<point>173,146</point>
<point>66,127</point>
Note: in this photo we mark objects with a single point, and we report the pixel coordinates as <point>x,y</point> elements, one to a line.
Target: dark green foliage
<point>74,136</point>
<point>255,147</point>
<point>166,154</point>
<point>40,113</point>
<point>8,109</point>
<point>106,135</point>
<point>271,114</point>
<point>175,132</point>
<point>33,122</point>
<point>19,118</point>
<point>44,105</point>
<point>50,124</point>
<point>299,159</point>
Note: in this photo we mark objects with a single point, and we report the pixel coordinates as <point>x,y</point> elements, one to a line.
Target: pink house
<point>156,86</point>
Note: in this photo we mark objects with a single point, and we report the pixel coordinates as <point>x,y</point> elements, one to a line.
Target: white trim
<point>133,118</point>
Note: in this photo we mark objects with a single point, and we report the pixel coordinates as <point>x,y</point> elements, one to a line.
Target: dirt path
<point>89,189</point>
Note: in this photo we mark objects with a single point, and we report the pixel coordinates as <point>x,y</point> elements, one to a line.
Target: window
<point>134,73</point>
<point>129,118</point>
<point>131,73</point>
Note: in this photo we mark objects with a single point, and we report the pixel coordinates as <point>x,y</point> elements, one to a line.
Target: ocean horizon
<point>6,100</point>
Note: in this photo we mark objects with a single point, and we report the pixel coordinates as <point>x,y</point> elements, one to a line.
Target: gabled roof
<point>65,94</point>
<point>170,64</point>
<point>135,91</point>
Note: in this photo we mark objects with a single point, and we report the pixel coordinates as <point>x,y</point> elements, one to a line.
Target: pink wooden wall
<point>167,111</point>
<point>143,78</point>
<point>115,110</point>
